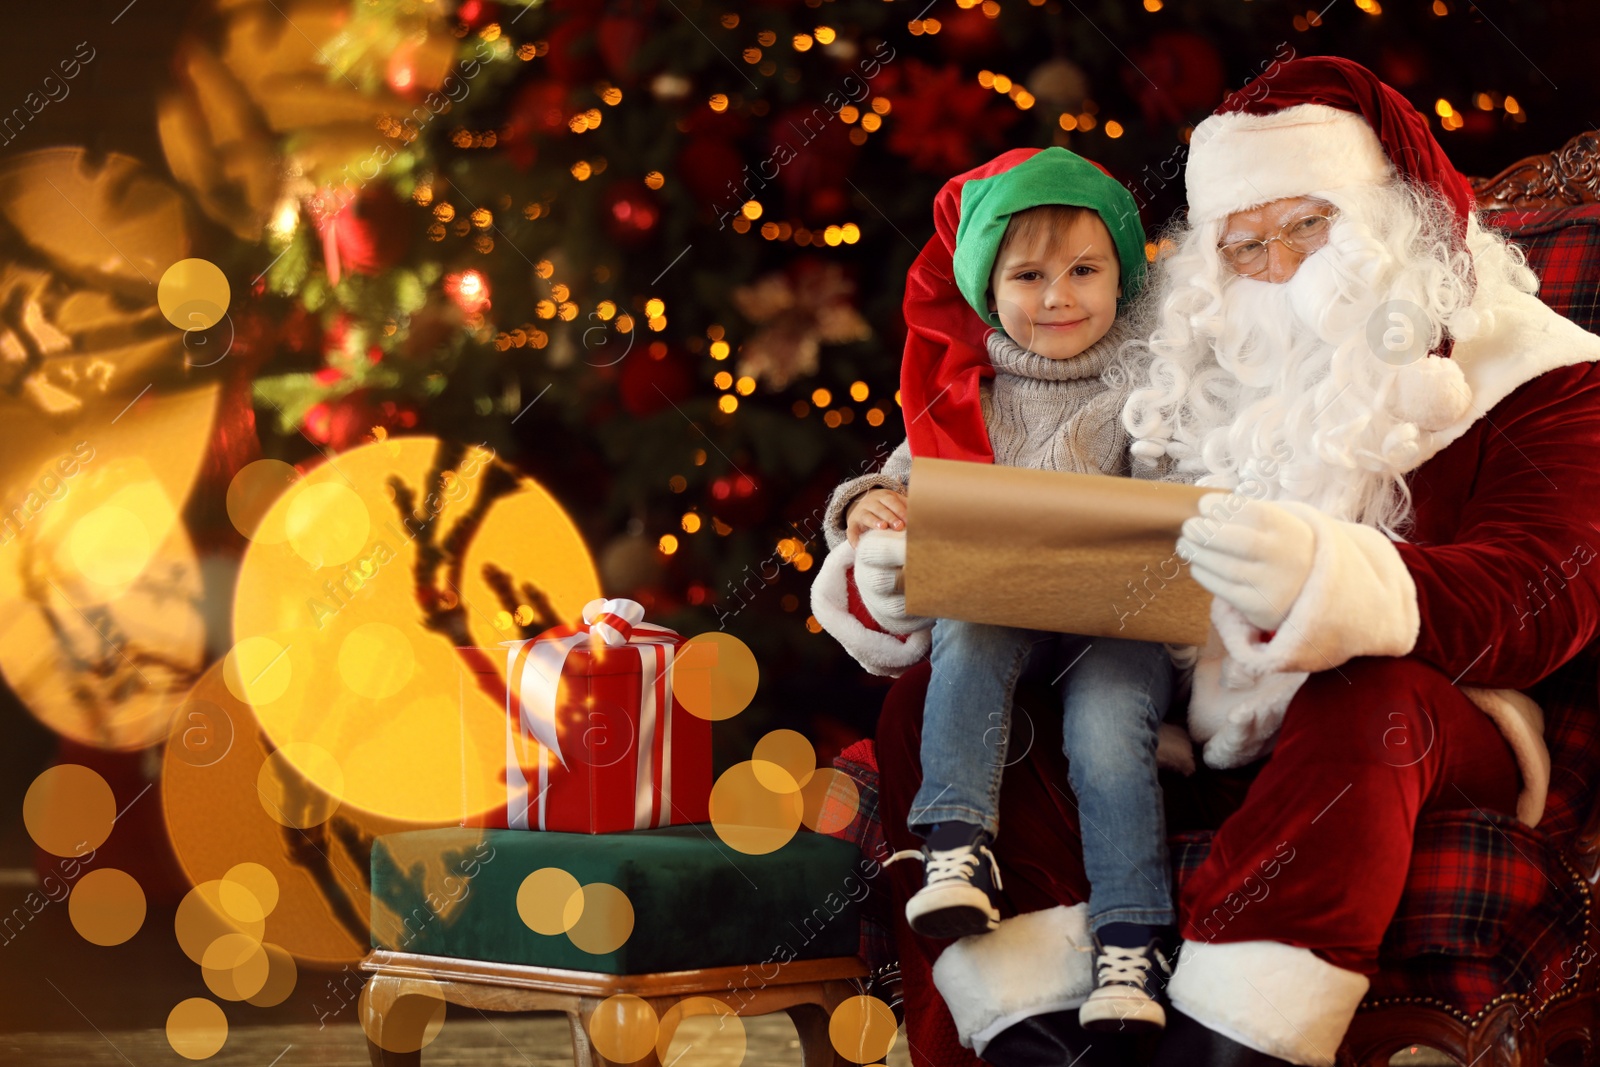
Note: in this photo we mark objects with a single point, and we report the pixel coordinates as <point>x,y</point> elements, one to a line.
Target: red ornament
<point>707,164</point>
<point>572,57</point>
<point>823,156</point>
<point>350,420</point>
<point>937,114</point>
<point>1187,73</point>
<point>365,235</point>
<point>619,38</point>
<point>476,13</point>
<point>469,289</point>
<point>652,380</point>
<point>737,498</point>
<point>630,212</point>
<point>970,34</point>
<point>540,109</point>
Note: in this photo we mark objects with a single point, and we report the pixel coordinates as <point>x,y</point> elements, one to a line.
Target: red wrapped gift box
<point>595,742</point>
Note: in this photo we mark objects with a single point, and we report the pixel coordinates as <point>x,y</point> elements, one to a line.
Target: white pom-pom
<point>1433,393</point>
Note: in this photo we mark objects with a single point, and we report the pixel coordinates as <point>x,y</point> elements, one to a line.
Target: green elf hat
<point>1051,176</point>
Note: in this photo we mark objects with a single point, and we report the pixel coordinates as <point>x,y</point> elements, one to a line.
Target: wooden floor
<point>496,1041</point>
<point>66,1003</point>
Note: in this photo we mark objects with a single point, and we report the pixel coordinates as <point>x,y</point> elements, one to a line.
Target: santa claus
<point>1402,438</point>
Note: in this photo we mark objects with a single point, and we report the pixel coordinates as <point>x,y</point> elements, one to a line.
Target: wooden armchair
<point>1550,205</point>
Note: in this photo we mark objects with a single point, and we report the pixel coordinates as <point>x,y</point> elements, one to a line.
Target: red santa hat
<point>1318,124</point>
<point>1313,125</point>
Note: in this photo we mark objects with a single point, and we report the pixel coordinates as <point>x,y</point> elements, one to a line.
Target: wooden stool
<point>808,990</point>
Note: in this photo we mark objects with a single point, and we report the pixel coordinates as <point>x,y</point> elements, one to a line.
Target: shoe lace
<point>1128,966</point>
<point>961,862</point>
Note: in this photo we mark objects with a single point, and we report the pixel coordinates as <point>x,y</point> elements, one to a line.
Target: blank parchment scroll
<point>1073,553</point>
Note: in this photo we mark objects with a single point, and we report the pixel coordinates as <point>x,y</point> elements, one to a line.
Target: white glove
<point>880,578</point>
<point>1256,558</point>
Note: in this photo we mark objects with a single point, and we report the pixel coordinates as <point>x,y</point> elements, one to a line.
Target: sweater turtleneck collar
<point>1008,357</point>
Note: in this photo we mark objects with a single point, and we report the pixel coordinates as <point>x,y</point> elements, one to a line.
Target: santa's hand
<point>879,572</point>
<point>1251,554</point>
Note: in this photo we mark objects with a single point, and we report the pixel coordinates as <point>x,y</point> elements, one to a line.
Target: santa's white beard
<point>1309,419</point>
<point>1275,388</point>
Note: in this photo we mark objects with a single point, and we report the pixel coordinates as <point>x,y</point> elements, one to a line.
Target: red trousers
<point>1311,847</point>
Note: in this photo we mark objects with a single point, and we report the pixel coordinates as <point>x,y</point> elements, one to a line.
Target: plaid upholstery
<point>1489,908</point>
<point>1563,248</point>
<point>857,820</point>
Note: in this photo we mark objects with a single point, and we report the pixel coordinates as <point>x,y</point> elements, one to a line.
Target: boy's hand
<point>880,509</point>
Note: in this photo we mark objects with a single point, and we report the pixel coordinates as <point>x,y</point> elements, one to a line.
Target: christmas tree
<point>653,254</point>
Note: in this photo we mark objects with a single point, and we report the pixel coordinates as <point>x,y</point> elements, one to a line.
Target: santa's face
<point>1057,295</point>
<point>1269,242</point>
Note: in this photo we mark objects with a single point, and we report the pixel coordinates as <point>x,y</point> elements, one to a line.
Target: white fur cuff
<point>1359,600</point>
<point>1234,711</point>
<point>881,653</point>
<point>1274,998</point>
<point>1521,720</point>
<point>1037,962</point>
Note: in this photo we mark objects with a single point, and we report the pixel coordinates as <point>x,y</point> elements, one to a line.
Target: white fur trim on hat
<point>879,652</point>
<point>1272,997</point>
<point>1239,161</point>
<point>1033,963</point>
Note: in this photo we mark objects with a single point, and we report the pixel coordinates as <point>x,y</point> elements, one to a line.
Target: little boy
<point>1049,251</point>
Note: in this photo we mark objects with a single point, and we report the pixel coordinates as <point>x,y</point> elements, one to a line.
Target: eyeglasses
<point>1304,235</point>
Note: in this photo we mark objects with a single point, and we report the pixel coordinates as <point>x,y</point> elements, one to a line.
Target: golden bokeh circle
<point>106,906</point>
<point>235,967</point>
<point>249,891</point>
<point>281,976</point>
<point>376,660</point>
<point>201,920</point>
<point>862,1029</point>
<point>219,826</point>
<point>700,1030</point>
<point>251,494</point>
<point>193,294</point>
<point>258,670</point>
<point>748,816</point>
<point>714,675</point>
<point>790,750</point>
<point>831,800</point>
<point>543,899</point>
<point>281,785</point>
<point>434,751</point>
<point>327,523</point>
<point>110,546</point>
<point>103,664</point>
<point>624,1028</point>
<point>407,1024</point>
<point>69,810</point>
<point>602,921</point>
<point>197,1029</point>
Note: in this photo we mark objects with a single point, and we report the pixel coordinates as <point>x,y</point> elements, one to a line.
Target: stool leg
<point>584,1053</point>
<point>396,1016</point>
<point>816,1047</point>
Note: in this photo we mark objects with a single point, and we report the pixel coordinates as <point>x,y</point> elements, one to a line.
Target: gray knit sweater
<point>1041,413</point>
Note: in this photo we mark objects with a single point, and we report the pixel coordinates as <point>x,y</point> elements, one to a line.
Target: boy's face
<point>1057,301</point>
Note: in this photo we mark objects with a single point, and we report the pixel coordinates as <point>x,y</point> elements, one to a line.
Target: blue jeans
<point>1114,693</point>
